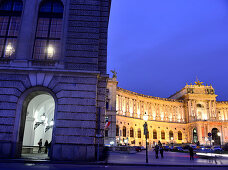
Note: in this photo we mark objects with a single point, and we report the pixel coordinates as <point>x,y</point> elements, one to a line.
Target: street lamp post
<point>145,118</point>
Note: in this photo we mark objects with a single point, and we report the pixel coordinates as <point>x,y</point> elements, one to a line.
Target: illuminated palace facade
<point>185,117</point>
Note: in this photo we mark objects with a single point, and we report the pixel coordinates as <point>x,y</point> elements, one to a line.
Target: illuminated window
<point>131,132</point>
<point>10,19</point>
<point>117,130</point>
<point>154,134</point>
<point>139,133</point>
<point>170,135</point>
<point>48,30</point>
<point>179,135</point>
<point>162,134</point>
<point>124,131</point>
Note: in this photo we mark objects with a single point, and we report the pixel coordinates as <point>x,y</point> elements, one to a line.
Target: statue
<point>114,74</point>
<point>198,82</point>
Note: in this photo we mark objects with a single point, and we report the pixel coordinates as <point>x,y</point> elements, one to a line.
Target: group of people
<point>46,144</point>
<point>158,148</point>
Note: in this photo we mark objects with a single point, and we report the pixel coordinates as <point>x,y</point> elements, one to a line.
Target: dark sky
<point>157,46</point>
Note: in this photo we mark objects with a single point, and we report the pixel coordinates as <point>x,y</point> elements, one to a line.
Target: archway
<point>195,137</point>
<point>215,136</point>
<point>39,123</point>
<point>35,112</point>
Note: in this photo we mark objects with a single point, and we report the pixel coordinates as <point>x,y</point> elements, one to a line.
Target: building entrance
<point>215,136</point>
<point>195,138</point>
<point>39,124</point>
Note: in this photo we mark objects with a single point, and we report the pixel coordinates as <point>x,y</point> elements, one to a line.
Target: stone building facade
<point>185,117</point>
<point>55,52</point>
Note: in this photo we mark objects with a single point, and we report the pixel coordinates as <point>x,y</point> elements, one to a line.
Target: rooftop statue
<point>199,83</point>
<point>114,74</point>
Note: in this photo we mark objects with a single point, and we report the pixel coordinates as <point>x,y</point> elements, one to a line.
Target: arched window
<point>154,134</point>
<point>162,134</point>
<point>171,135</point>
<point>48,30</point>
<point>179,135</point>
<point>139,133</point>
<point>117,130</point>
<point>10,19</point>
<point>131,132</point>
<point>124,131</point>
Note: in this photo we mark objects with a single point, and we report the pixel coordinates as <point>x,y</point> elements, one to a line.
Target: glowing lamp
<point>9,50</point>
<point>43,117</point>
<point>52,122</point>
<point>50,51</point>
<point>145,117</point>
<point>219,134</point>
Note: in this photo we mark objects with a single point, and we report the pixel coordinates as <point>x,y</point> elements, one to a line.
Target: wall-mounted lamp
<point>43,118</point>
<point>9,50</point>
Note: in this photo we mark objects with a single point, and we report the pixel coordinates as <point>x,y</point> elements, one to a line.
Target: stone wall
<point>75,118</point>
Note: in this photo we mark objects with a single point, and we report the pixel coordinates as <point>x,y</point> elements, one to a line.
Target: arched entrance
<point>195,137</point>
<point>39,123</point>
<point>215,136</point>
<point>34,121</point>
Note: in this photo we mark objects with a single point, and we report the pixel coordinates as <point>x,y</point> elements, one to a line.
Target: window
<point>162,134</point>
<point>106,133</point>
<point>179,135</point>
<point>124,131</point>
<point>154,134</point>
<point>48,30</point>
<point>131,132</point>
<point>170,135</point>
<point>139,133</point>
<point>10,19</point>
<point>117,130</point>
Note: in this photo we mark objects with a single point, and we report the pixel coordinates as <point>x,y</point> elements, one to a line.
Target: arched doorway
<point>39,123</point>
<point>34,120</point>
<point>195,137</point>
<point>215,136</point>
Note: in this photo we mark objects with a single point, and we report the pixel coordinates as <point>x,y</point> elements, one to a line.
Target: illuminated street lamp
<point>145,118</point>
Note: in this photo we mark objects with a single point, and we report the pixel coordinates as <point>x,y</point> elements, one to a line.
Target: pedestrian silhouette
<point>46,144</point>
<point>40,146</point>
<point>156,151</point>
<point>191,153</point>
<point>161,151</point>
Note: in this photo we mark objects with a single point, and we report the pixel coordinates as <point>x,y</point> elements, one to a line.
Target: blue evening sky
<point>157,46</point>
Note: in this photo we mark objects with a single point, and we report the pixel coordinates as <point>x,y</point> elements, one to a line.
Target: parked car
<point>166,148</point>
<point>143,148</point>
<point>138,148</point>
<point>216,149</point>
<point>177,148</point>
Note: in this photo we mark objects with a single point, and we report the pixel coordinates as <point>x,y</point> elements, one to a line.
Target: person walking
<point>156,151</point>
<point>40,146</point>
<point>191,153</point>
<point>46,144</point>
<point>161,151</point>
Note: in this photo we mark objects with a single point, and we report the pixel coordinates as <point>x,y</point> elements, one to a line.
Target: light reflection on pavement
<point>170,158</point>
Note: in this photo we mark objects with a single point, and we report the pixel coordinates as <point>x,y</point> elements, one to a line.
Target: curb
<point>102,163</point>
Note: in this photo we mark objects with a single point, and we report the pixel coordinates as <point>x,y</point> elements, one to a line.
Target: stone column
<point>27,31</point>
<point>29,132</point>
